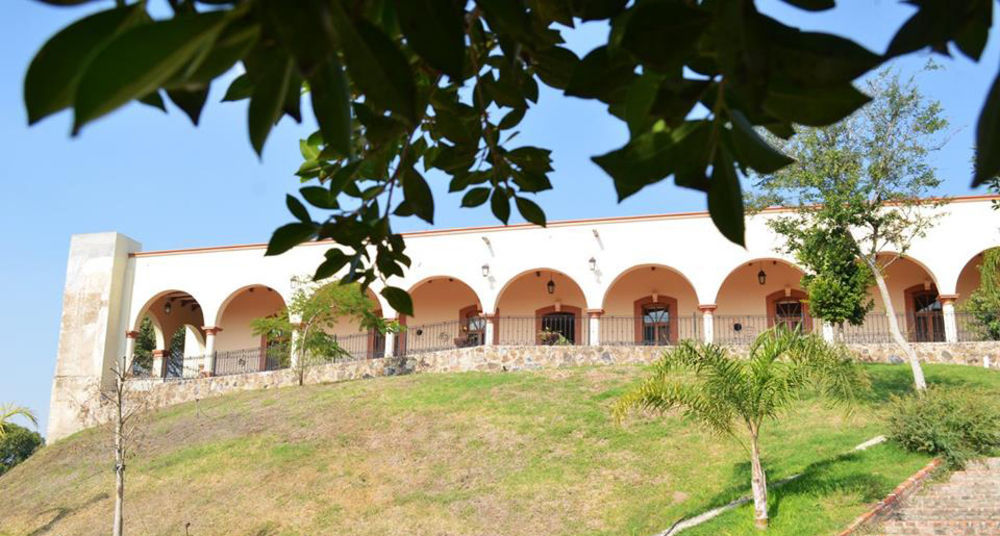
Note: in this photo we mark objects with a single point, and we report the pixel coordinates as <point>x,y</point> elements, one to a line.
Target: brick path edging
<point>892,500</point>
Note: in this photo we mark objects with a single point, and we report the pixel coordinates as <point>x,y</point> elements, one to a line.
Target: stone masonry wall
<point>159,393</point>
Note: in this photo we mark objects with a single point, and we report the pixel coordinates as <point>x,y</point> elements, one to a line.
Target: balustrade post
<point>948,311</point>
<point>210,333</point>
<point>390,341</point>
<point>159,369</point>
<point>708,321</point>
<point>594,326</point>
<point>489,333</point>
<point>130,337</point>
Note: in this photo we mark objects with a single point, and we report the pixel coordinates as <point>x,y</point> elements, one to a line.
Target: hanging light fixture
<point>486,270</point>
<point>551,285</point>
<point>167,307</point>
<point>593,264</point>
<point>761,277</point>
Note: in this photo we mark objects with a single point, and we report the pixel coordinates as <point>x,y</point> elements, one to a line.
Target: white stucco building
<point>613,281</point>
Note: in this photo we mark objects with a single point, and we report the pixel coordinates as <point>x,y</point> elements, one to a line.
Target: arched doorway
<point>915,299</point>
<point>447,313</point>
<point>176,321</point>
<point>238,347</point>
<point>756,296</point>
<point>649,305</point>
<point>540,306</point>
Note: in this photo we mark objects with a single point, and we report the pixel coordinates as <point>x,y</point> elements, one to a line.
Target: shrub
<point>16,445</point>
<point>955,424</point>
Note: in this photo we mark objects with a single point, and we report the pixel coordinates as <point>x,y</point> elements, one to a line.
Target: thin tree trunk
<point>119,522</point>
<point>918,372</point>
<point>758,484</point>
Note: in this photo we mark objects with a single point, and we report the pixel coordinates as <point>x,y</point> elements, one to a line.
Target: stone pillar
<point>95,302</point>
<point>708,321</point>
<point>948,311</point>
<point>594,326</point>
<point>489,334</point>
<point>130,337</point>
<point>390,344</point>
<point>159,369</point>
<point>210,333</point>
<point>829,333</point>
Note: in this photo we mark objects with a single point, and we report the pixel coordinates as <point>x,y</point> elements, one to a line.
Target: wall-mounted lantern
<point>593,264</point>
<point>486,270</point>
<point>761,277</point>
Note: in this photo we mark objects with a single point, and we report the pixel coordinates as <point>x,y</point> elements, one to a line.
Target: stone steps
<point>967,504</point>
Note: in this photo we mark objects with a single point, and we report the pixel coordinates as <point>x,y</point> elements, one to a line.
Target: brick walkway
<point>967,504</point>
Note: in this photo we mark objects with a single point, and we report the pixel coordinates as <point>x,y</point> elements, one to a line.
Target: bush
<point>955,424</point>
<point>16,445</point>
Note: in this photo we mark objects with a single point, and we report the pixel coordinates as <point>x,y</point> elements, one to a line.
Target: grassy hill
<point>526,453</point>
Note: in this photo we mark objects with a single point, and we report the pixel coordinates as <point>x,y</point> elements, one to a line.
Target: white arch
<point>627,271</point>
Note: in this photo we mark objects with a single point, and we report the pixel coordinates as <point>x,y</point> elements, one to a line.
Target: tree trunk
<point>119,521</point>
<point>918,373</point>
<point>758,483</point>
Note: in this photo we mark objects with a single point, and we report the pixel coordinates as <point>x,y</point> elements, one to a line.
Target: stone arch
<point>447,313</point>
<point>746,307</point>
<point>664,292</point>
<point>524,295</point>
<point>238,310</point>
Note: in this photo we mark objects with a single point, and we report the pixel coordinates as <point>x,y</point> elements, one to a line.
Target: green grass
<point>526,453</point>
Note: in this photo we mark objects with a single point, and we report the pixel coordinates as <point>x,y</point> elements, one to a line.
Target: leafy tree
<point>315,310</point>
<point>16,445</point>
<point>845,176</point>
<point>736,397</point>
<point>145,343</point>
<point>9,411</point>
<point>836,280</point>
<point>984,302</point>
<point>396,84</point>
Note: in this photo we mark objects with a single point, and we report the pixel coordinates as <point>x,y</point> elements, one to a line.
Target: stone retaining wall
<point>158,393</point>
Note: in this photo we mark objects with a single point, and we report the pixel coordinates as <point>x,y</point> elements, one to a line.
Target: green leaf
<point>815,107</point>
<point>418,195</point>
<point>639,102</point>
<point>599,76</point>
<point>335,260</point>
<point>475,197</point>
<point>319,197</point>
<point>398,299</point>
<point>812,5</point>
<point>597,9</point>
<point>988,137</point>
<point>138,61</point>
<point>155,100</point>
<point>267,99</point>
<point>511,119</point>
<point>663,33</point>
<point>56,69</point>
<point>530,211</point>
<point>288,236</point>
<point>232,45</point>
<point>753,150</point>
<point>500,205</point>
<point>435,29</point>
<point>554,65</point>
<point>191,101</point>
<point>725,198</point>
<point>297,209</point>
<point>812,59</point>
<point>331,102</point>
<point>376,65</point>
<point>305,30</point>
<point>240,88</point>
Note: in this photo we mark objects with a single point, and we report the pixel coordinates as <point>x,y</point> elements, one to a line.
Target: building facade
<point>648,280</point>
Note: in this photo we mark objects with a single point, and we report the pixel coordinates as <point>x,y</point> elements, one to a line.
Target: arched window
<point>656,320</point>
<point>473,327</point>
<point>789,308</point>
<point>924,315</point>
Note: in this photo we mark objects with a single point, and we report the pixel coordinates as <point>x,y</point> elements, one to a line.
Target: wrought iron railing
<point>362,345</point>
<point>876,329</point>
<point>551,330</point>
<point>438,336</point>
<point>970,328</point>
<point>251,360</point>
<point>640,331</point>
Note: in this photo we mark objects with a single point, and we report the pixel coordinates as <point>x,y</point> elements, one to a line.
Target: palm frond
<point>9,411</point>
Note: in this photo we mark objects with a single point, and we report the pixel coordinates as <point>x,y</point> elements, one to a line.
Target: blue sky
<point>169,185</point>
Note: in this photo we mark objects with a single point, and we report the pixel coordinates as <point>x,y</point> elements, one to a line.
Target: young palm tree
<point>735,396</point>
<point>8,411</point>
